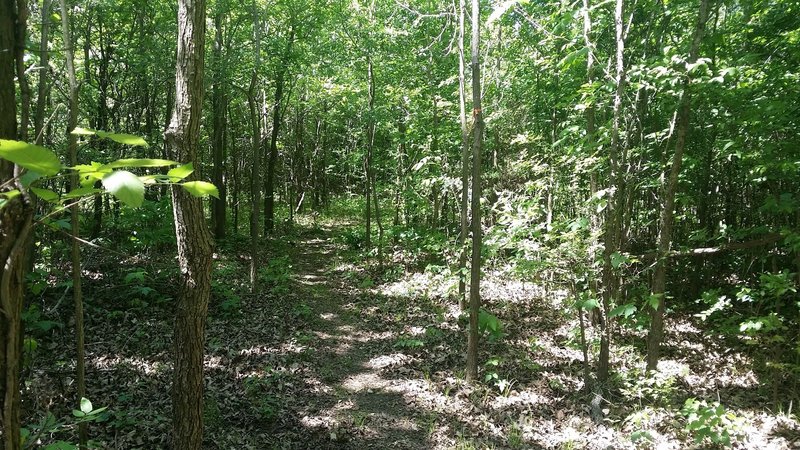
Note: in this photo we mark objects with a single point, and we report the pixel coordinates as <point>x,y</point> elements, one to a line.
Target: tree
<point>72,149</point>
<point>194,240</point>
<point>477,142</point>
<point>658,289</point>
<point>16,218</point>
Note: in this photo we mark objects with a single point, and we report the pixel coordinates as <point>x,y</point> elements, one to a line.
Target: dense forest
<point>416,224</point>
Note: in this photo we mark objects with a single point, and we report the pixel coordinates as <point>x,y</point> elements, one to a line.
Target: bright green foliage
<point>31,157</point>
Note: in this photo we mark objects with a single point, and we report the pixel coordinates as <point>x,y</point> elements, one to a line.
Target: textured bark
<point>24,88</point>
<point>280,80</point>
<point>612,225</point>
<point>477,142</point>
<point>218,101</point>
<point>464,213</point>
<point>16,217</point>
<point>255,178</point>
<point>658,288</point>
<point>193,237</point>
<point>75,251</point>
<point>44,63</point>
<point>368,159</point>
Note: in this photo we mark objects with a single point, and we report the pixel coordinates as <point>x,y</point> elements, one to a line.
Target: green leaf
<point>590,304</point>
<point>81,192</point>
<point>79,131</point>
<point>626,310</point>
<point>181,172</point>
<point>127,187</point>
<point>29,156</point>
<point>61,445</point>
<point>201,189</point>
<point>86,405</point>
<point>134,162</point>
<point>127,139</point>
<point>618,259</point>
<point>45,194</point>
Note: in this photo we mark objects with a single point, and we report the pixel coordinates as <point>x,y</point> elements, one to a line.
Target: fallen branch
<point>765,240</point>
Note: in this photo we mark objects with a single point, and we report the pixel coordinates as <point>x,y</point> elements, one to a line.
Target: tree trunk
<point>77,292</point>
<point>477,141</point>
<point>218,101</point>
<point>656,335</point>
<point>269,194</point>
<point>462,95</point>
<point>612,222</point>
<point>255,178</point>
<point>194,240</point>
<point>24,88</point>
<point>370,141</point>
<point>16,218</point>
<point>44,72</point>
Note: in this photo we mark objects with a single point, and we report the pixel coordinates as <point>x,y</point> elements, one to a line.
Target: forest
<point>399,224</point>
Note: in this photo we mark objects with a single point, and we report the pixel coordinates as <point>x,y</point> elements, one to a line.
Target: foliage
<point>712,422</point>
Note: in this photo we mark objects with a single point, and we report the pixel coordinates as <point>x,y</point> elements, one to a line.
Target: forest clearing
<point>299,224</point>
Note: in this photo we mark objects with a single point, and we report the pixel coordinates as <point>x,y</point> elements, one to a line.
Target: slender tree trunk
<point>462,95</point>
<point>218,100</point>
<point>77,292</point>
<point>255,178</point>
<point>370,141</point>
<point>194,240</point>
<point>477,141</point>
<point>612,222</point>
<point>44,72</point>
<point>269,194</point>
<point>656,335</point>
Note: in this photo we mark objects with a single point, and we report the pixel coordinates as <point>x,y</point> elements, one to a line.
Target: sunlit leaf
<point>127,139</point>
<point>180,172</point>
<point>133,162</point>
<point>127,187</point>
<point>29,156</point>
<point>201,188</point>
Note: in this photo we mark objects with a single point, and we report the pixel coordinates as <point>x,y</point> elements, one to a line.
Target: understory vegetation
<point>387,224</point>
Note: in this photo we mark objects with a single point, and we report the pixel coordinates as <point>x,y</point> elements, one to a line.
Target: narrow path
<point>353,403</point>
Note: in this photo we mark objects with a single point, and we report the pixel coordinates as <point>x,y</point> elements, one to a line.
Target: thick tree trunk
<point>24,88</point>
<point>194,240</point>
<point>477,141</point>
<point>16,218</point>
<point>658,289</point>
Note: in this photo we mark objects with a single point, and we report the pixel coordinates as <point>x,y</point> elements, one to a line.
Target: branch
<point>702,252</point>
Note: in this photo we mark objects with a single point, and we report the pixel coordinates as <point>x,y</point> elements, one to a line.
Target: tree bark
<point>477,141</point>
<point>194,240</point>
<point>24,88</point>
<point>462,95</point>
<point>44,72</point>
<point>16,217</point>
<point>255,178</point>
<point>218,100</point>
<point>658,289</point>
<point>77,291</point>
<point>280,80</point>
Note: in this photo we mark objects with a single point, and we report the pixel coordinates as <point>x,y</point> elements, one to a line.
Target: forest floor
<point>336,356</point>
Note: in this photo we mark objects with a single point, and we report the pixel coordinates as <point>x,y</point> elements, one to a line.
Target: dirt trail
<point>353,404</point>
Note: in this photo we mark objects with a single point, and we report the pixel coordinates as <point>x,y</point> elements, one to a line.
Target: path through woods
<point>331,356</point>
